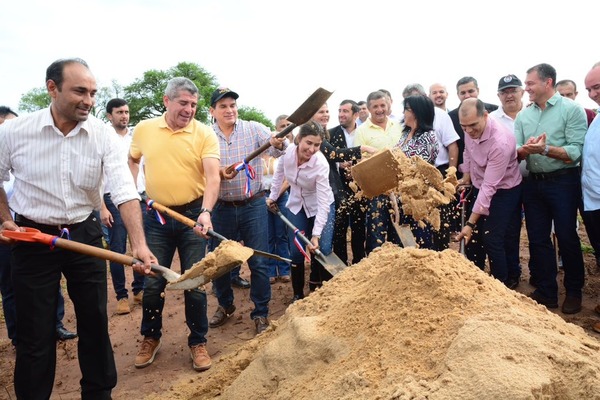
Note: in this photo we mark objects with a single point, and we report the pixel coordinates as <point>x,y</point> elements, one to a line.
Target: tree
<point>34,100</point>
<point>252,114</point>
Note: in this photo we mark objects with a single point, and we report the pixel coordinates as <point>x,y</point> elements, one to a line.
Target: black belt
<point>240,203</point>
<point>188,206</point>
<point>548,176</point>
<point>21,220</point>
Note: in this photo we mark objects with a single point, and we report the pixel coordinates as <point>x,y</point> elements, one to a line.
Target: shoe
<point>138,297</point>
<point>596,327</point>
<point>63,334</point>
<point>261,323</point>
<point>512,283</point>
<point>272,280</point>
<point>571,305</point>
<point>285,278</point>
<point>543,300</point>
<point>296,298</point>
<point>148,349</point>
<point>533,281</point>
<point>123,306</point>
<point>240,282</point>
<point>221,315</point>
<point>200,358</point>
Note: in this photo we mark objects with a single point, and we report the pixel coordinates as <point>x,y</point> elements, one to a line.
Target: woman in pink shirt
<point>310,206</point>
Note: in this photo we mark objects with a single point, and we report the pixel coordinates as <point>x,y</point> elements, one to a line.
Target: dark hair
<point>311,128</point>
<point>424,111</point>
<point>360,103</point>
<point>566,82</point>
<point>55,71</point>
<point>4,111</point>
<point>544,71</point>
<point>466,79</point>
<point>114,103</point>
<point>354,107</point>
<point>479,107</point>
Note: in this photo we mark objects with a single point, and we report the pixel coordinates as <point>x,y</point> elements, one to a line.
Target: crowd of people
<point>69,174</point>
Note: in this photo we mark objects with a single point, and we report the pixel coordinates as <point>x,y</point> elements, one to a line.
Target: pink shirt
<point>309,186</point>
<point>492,162</point>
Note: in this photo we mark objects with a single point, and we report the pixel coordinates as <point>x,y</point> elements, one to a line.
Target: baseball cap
<point>220,93</point>
<point>509,81</point>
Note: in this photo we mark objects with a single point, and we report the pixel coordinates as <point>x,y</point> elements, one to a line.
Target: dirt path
<point>173,362</point>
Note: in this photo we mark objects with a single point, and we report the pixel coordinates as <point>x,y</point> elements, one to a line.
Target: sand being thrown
<point>409,324</point>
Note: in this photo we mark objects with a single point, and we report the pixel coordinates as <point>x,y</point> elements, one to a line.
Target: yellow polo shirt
<point>373,135</point>
<point>173,159</point>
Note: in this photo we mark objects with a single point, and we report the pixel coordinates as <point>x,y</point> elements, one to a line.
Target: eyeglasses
<point>506,92</point>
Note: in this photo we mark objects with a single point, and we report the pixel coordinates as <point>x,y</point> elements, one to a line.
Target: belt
<point>188,206</point>
<point>240,203</point>
<point>548,176</point>
<point>21,220</point>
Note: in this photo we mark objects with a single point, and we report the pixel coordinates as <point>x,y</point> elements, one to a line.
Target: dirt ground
<point>173,363</point>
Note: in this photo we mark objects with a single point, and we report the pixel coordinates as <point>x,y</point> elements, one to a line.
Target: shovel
<point>191,223</point>
<point>303,114</point>
<point>377,174</point>
<point>464,196</point>
<point>34,235</point>
<point>332,263</point>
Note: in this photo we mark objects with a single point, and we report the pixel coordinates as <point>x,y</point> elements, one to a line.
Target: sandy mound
<point>409,324</point>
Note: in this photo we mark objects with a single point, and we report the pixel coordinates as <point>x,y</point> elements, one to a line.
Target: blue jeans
<point>117,241</point>
<point>248,223</point>
<point>497,235</point>
<point>278,240</point>
<point>163,240</point>
<point>379,223</point>
<point>544,201</point>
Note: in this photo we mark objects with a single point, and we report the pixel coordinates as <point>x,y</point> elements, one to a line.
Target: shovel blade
<point>377,174</point>
<point>188,284</point>
<point>332,263</point>
<point>310,107</point>
<point>406,236</point>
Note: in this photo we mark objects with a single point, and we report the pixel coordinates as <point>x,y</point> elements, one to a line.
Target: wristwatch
<point>546,150</point>
<point>205,210</point>
<point>470,224</point>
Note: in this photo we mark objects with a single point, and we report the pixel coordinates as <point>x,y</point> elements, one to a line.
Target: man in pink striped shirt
<point>490,164</point>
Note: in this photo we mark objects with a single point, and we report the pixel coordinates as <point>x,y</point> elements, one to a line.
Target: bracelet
<point>205,210</point>
<point>546,150</point>
<point>470,224</point>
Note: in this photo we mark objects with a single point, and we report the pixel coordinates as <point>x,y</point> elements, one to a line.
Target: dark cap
<point>509,81</point>
<point>220,93</point>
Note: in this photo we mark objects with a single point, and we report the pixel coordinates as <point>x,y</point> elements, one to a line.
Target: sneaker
<point>221,315</point>
<point>148,349</point>
<point>137,298</point>
<point>123,306</point>
<point>200,358</point>
<point>261,324</point>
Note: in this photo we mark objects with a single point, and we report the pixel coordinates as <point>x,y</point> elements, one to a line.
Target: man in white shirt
<point>57,156</point>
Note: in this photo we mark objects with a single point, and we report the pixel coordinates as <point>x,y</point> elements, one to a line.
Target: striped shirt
<point>58,178</point>
<point>246,137</point>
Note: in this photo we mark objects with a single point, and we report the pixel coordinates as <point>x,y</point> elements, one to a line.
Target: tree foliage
<point>252,114</point>
<point>34,100</point>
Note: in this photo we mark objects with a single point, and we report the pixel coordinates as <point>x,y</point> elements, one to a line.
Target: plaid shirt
<point>246,137</point>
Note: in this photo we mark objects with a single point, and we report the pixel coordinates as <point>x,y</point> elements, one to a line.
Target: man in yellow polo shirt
<point>181,163</point>
<point>381,132</point>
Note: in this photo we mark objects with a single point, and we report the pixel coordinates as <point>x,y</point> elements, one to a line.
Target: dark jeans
<point>36,277</point>
<point>379,223</point>
<point>350,213</point>
<point>278,240</point>
<point>554,199</point>
<point>117,241</point>
<point>591,220</point>
<point>497,234</point>
<point>163,240</point>
<point>248,223</point>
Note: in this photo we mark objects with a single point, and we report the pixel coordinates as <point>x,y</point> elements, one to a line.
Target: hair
<point>375,96</point>
<point>566,82</point>
<point>544,71</point>
<point>466,79</point>
<point>360,103</point>
<point>479,107</point>
<point>311,128</point>
<point>280,118</point>
<point>55,71</point>
<point>114,103</point>
<point>178,84</point>
<point>413,87</point>
<point>354,106</point>
<point>4,111</point>
<point>424,111</point>
<point>386,92</point>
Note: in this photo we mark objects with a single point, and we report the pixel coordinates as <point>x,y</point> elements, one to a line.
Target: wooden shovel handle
<point>183,219</point>
<point>262,148</point>
<point>95,251</point>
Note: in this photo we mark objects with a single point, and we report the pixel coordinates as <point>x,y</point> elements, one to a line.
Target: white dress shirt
<point>446,135</point>
<point>58,178</point>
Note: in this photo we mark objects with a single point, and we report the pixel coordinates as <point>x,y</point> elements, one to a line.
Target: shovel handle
<point>183,219</point>
<point>293,227</point>
<point>264,147</point>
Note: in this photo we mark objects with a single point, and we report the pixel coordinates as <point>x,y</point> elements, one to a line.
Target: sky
<point>274,54</point>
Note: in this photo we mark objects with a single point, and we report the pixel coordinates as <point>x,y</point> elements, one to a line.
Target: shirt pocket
<point>87,173</point>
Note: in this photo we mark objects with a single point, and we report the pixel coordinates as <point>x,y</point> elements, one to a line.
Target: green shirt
<point>564,123</point>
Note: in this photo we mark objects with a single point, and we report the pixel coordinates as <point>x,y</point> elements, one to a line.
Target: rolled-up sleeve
<point>117,172</point>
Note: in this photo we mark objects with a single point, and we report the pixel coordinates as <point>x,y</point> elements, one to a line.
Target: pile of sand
<point>409,324</point>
